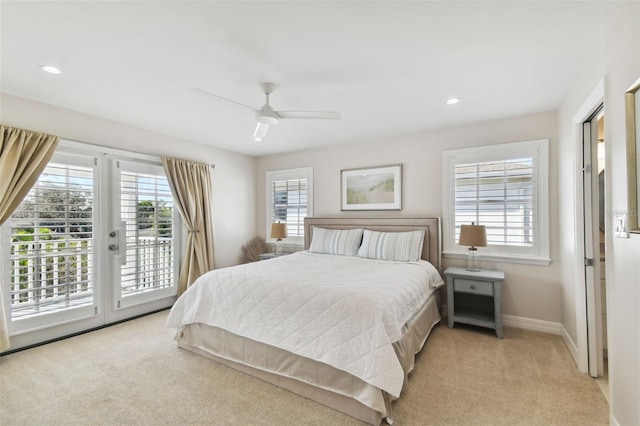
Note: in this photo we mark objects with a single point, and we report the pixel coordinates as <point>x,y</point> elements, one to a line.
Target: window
<point>505,188</point>
<point>289,200</point>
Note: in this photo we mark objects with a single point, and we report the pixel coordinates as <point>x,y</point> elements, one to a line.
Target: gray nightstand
<point>475,298</point>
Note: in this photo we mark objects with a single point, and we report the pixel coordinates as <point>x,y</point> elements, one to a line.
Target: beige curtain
<point>191,188</point>
<point>23,156</point>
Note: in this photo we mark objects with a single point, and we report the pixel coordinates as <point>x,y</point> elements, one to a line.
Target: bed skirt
<point>314,380</point>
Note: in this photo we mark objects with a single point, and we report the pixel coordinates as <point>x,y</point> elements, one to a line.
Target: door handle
<point>119,235</point>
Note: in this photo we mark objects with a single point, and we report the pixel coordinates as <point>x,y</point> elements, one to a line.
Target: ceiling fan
<point>266,115</point>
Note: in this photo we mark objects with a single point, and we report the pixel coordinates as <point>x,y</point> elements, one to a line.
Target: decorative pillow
<point>343,242</point>
<point>398,246</point>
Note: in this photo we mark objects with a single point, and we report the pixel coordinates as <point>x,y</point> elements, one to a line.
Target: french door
<point>95,241</point>
<point>141,240</point>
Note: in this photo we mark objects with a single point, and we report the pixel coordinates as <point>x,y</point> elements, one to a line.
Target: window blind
<point>146,206</point>
<point>499,195</point>
<point>290,202</point>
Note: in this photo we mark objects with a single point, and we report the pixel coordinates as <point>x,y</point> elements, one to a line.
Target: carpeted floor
<point>133,373</point>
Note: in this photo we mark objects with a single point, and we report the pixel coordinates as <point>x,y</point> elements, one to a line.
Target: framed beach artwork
<point>378,188</point>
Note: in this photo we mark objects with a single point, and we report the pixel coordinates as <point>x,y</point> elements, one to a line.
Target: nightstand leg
<point>497,308</point>
<point>450,304</point>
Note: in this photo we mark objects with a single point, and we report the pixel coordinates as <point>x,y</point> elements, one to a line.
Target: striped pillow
<point>398,246</point>
<point>343,242</point>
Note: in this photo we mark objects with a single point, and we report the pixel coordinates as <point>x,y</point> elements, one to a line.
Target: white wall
<point>529,291</point>
<point>233,177</point>
<point>617,63</point>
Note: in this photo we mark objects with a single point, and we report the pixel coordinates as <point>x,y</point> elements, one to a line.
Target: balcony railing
<point>50,275</point>
<point>58,274</point>
<point>149,265</point>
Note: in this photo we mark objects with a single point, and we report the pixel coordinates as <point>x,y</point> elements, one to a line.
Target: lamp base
<point>472,260</point>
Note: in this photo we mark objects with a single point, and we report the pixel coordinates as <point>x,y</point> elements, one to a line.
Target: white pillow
<point>342,242</point>
<point>398,246</point>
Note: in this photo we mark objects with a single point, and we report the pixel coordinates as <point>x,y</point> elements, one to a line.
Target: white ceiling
<point>388,67</point>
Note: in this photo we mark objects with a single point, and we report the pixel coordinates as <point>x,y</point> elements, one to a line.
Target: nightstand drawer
<point>473,286</point>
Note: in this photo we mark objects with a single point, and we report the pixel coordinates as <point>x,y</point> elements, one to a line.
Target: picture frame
<point>375,188</point>
<point>632,119</point>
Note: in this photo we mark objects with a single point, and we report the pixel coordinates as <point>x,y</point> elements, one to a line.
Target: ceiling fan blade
<point>325,115</point>
<point>226,99</point>
<point>260,132</point>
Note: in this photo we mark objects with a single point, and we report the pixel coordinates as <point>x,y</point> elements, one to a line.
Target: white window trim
<point>298,173</point>
<point>539,150</point>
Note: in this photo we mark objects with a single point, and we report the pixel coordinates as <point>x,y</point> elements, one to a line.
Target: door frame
<point>592,245</point>
<point>586,337</point>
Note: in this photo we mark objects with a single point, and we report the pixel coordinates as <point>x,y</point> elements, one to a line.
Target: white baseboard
<point>570,344</point>
<point>613,421</point>
<point>532,324</point>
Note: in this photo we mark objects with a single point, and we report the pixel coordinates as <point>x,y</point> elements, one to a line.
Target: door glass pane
<point>146,209</point>
<point>52,244</point>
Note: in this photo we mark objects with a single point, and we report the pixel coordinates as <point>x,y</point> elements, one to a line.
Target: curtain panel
<point>190,184</point>
<point>24,154</point>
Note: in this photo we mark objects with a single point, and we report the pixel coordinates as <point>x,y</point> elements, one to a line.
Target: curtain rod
<point>98,146</point>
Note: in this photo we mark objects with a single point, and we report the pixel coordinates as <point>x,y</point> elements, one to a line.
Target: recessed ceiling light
<point>50,69</point>
<point>452,101</point>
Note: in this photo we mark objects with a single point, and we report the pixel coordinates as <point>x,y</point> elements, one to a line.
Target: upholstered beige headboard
<point>431,249</point>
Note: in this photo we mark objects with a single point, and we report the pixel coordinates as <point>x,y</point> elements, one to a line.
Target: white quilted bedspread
<point>342,311</point>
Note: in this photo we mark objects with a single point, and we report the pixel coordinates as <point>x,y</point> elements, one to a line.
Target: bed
<point>338,326</point>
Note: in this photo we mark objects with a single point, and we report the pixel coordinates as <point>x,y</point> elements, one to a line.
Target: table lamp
<point>278,231</point>
<point>474,236</point>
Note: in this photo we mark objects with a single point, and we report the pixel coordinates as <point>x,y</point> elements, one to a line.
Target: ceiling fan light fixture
<point>260,132</point>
